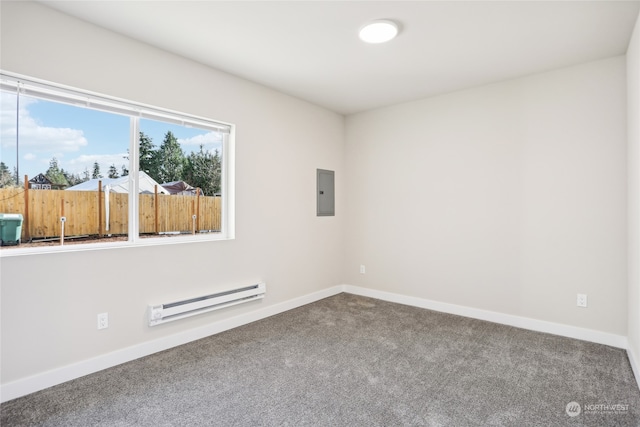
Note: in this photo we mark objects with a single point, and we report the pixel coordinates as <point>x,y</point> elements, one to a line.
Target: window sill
<point>7,252</point>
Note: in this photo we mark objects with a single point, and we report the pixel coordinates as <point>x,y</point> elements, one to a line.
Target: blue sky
<point>78,136</point>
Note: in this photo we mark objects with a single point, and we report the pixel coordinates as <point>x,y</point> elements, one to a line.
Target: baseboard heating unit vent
<point>163,313</point>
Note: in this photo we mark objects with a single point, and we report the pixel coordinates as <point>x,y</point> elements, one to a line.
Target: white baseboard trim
<point>493,316</point>
<point>57,376</point>
<point>633,360</point>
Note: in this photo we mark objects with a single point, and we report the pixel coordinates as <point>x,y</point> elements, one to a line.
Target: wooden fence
<point>90,213</point>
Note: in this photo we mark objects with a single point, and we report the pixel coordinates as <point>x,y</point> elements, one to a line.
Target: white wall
<point>50,302</point>
<point>509,197</point>
<point>633,114</point>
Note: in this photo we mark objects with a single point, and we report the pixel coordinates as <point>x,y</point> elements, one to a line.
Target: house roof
<point>40,179</point>
<point>121,185</point>
<point>180,187</point>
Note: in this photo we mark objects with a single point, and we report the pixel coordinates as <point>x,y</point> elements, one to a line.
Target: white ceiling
<point>311,50</point>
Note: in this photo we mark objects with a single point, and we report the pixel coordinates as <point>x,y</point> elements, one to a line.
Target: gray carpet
<point>352,361</point>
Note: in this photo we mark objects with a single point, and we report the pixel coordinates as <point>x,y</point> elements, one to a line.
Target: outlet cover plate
<point>581,300</point>
<point>103,320</point>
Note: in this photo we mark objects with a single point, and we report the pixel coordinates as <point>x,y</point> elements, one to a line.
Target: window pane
<point>180,179</point>
<point>75,160</point>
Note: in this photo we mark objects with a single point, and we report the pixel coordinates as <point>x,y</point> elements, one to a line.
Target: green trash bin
<point>10,229</point>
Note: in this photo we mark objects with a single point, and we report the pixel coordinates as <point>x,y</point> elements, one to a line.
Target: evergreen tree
<point>73,179</point>
<point>171,160</point>
<point>203,170</point>
<point>55,174</point>
<point>113,171</point>
<point>7,179</point>
<point>96,171</point>
<point>148,156</point>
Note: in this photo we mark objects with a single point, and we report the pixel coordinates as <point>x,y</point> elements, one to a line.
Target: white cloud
<point>33,135</point>
<point>205,139</point>
<point>29,156</point>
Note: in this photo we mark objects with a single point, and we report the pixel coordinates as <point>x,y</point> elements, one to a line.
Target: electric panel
<point>326,192</point>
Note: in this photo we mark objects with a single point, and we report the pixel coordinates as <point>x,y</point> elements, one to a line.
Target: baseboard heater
<point>163,313</point>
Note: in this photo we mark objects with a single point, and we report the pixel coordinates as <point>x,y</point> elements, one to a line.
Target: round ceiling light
<point>379,31</point>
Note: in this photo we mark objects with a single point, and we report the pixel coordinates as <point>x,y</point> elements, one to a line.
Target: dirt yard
<point>75,241</point>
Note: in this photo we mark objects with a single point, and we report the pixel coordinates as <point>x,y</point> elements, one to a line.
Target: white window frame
<point>42,89</point>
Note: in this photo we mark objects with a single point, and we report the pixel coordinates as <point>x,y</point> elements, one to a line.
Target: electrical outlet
<point>362,269</point>
<point>103,320</point>
<point>582,300</point>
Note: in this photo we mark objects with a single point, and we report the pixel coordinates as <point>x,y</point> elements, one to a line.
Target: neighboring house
<point>42,182</point>
<point>181,187</point>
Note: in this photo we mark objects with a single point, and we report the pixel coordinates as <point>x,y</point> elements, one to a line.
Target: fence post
<point>62,221</point>
<point>25,228</point>
<point>193,217</point>
<point>198,210</point>
<point>100,208</point>
<point>155,204</point>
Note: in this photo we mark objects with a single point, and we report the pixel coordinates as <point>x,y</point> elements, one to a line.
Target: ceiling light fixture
<point>379,31</point>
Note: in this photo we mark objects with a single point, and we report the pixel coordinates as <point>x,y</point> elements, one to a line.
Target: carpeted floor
<point>352,361</point>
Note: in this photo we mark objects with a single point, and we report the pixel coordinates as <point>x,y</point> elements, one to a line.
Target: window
<point>86,169</point>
